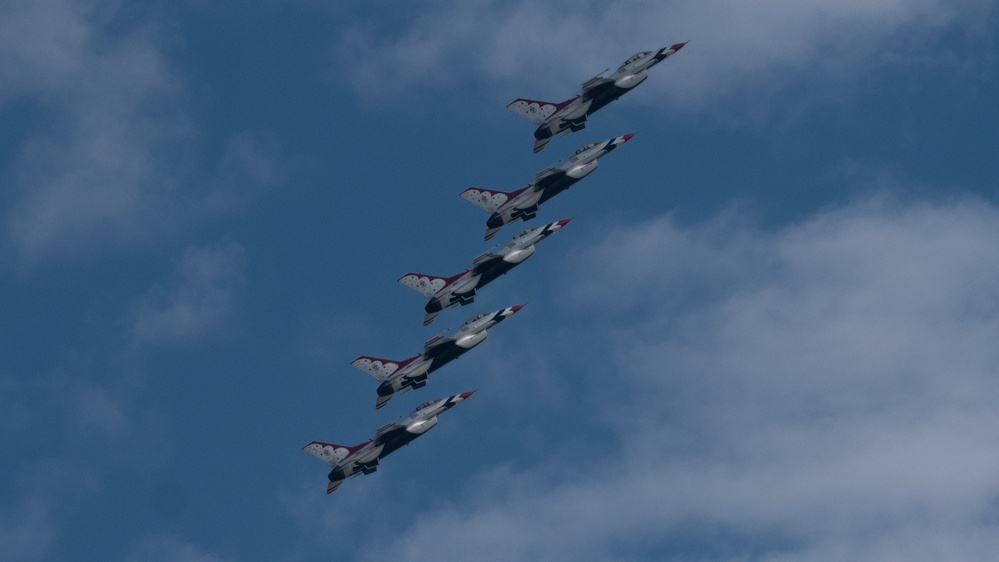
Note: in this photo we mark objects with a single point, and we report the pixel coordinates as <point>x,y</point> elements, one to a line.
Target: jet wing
<point>547,177</point>
<point>489,199</point>
<point>386,432</point>
<point>379,368</point>
<point>594,86</point>
<point>484,262</point>
<point>435,345</point>
<point>331,453</point>
<point>535,110</point>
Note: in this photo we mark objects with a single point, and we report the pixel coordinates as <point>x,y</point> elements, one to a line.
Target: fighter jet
<point>553,118</point>
<point>364,458</point>
<point>438,351</point>
<point>506,207</point>
<point>445,292</point>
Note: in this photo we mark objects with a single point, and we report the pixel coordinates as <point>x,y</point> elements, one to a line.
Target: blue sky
<point>768,333</point>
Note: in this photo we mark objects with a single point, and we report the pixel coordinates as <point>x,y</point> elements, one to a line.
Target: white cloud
<point>26,533</point>
<point>735,46</point>
<point>168,548</point>
<point>197,302</point>
<point>106,108</point>
<point>109,157</point>
<point>831,393</point>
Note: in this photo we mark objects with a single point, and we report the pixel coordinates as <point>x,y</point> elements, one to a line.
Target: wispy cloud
<point>107,109</point>
<point>834,400</point>
<point>26,533</point>
<point>735,45</point>
<point>110,156</point>
<point>169,548</point>
<point>197,301</point>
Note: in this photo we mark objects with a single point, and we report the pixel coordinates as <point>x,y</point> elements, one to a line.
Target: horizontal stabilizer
<point>430,317</point>
<point>490,232</point>
<point>380,368</point>
<point>382,400</point>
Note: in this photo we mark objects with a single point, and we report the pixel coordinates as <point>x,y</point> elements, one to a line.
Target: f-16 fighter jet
<point>364,458</point>
<point>553,118</point>
<point>445,292</point>
<point>438,351</point>
<point>506,207</point>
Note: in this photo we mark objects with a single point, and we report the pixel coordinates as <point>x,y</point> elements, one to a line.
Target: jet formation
<point>571,115</point>
<point>402,376</point>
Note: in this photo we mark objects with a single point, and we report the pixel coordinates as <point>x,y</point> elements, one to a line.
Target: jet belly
<point>525,201</point>
<point>403,378</point>
<point>629,81</point>
<point>572,111</point>
<point>462,292</point>
<point>422,426</point>
<point>468,341</point>
<point>519,255</point>
<point>583,170</point>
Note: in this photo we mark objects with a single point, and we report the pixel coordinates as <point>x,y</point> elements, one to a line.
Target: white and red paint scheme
<point>571,115</point>
<point>523,204</point>
<point>460,289</point>
<point>412,373</point>
<point>365,457</point>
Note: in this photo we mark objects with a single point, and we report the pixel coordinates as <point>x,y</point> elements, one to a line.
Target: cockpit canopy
<point>477,317</point>
<point>523,233</point>
<point>637,56</point>
<point>587,147</point>
<point>427,404</point>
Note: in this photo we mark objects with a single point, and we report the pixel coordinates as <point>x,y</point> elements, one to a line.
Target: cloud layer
<point>756,46</point>
<point>833,394</point>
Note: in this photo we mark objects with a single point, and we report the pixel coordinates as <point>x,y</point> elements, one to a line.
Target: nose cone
<point>560,224</point>
<point>516,308</point>
<point>626,138</point>
<point>464,395</point>
<point>678,46</point>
